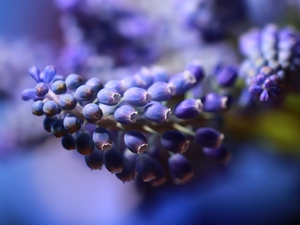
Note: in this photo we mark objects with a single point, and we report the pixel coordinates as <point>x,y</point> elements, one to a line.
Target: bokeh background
<point>41,183</point>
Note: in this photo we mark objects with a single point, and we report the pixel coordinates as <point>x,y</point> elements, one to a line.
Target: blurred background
<point>41,183</point>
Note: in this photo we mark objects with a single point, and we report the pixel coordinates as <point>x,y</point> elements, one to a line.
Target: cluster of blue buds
<point>126,124</point>
<point>108,28</point>
<point>272,60</point>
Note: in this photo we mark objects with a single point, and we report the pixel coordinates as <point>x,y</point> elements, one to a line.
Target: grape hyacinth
<point>272,60</point>
<point>151,111</point>
<point>136,121</point>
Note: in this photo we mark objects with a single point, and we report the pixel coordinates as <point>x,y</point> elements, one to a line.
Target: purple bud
<point>72,124</point>
<point>117,85</point>
<point>180,168</point>
<point>226,77</point>
<point>145,167</point>
<point>128,172</point>
<point>134,81</point>
<point>159,74</point>
<point>135,141</point>
<point>183,82</point>
<point>108,96</point>
<point>220,153</point>
<point>95,83</point>
<point>49,73</point>
<point>188,109</point>
<point>28,94</point>
<point>214,102</point>
<point>255,89</point>
<point>50,108</point>
<point>137,96</point>
<point>84,93</point>
<point>209,137</point>
<point>126,114</point>
<point>67,102</point>
<point>174,141</point>
<point>41,89</point>
<point>113,160</point>
<point>73,81</point>
<point>146,75</point>
<point>160,174</point>
<point>35,73</point>
<point>102,138</point>
<point>259,79</point>
<point>95,160</point>
<point>157,112</point>
<point>161,91</point>
<point>37,108</point>
<point>92,112</point>
<point>264,96</point>
<point>197,70</point>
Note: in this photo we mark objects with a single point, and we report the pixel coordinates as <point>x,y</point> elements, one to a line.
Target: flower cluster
<point>110,29</point>
<point>272,60</point>
<point>125,124</point>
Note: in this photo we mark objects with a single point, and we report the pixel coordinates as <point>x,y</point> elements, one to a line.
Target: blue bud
<point>135,141</point>
<point>68,142</point>
<point>59,87</point>
<point>214,102</point>
<point>50,108</point>
<point>95,83</point>
<point>145,167</point>
<point>188,108</point>
<point>84,93</point>
<point>49,73</point>
<point>108,96</point>
<point>58,129</point>
<point>37,108</point>
<point>67,102</point>
<point>28,94</point>
<point>84,144</point>
<point>209,137</point>
<point>102,138</point>
<point>58,77</point>
<point>180,168</point>
<point>92,112</point>
<point>197,70</point>
<point>157,112</point>
<point>95,160</point>
<point>146,75</point>
<point>73,81</point>
<point>113,161</point>
<point>72,124</point>
<point>134,81</point>
<point>160,174</point>
<point>128,172</point>
<point>125,114</point>
<point>183,82</point>
<point>161,91</point>
<point>117,85</point>
<point>255,89</point>
<point>35,73</point>
<point>48,121</point>
<point>264,96</point>
<point>137,96</point>
<point>159,74</point>
<point>226,76</point>
<point>41,89</point>
<point>220,154</point>
<point>174,141</point>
